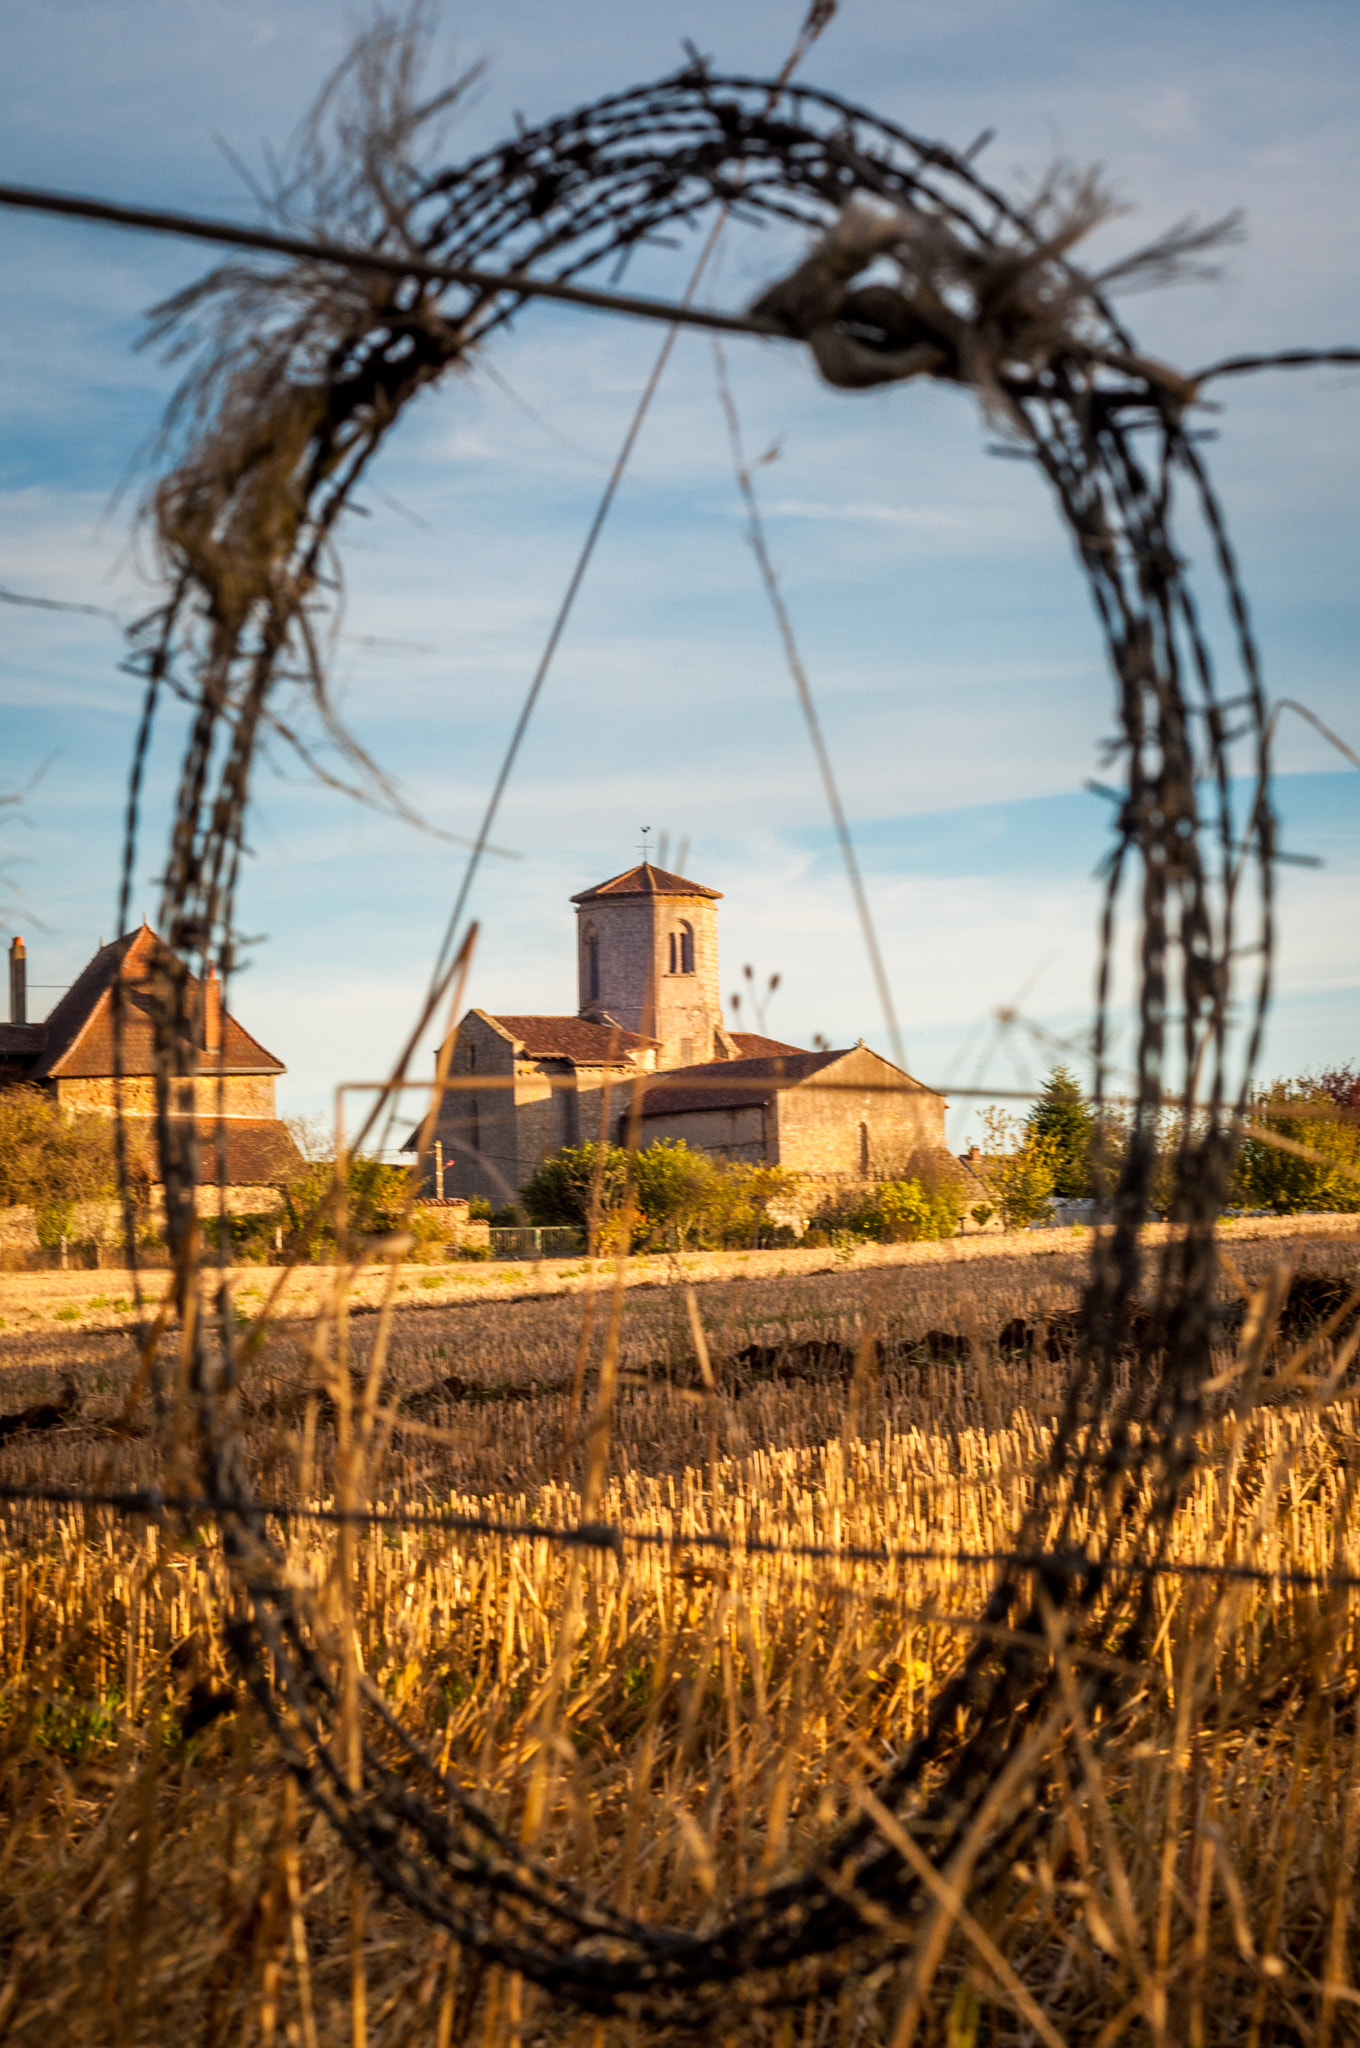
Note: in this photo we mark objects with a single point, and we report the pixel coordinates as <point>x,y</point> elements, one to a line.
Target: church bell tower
<point>647,958</point>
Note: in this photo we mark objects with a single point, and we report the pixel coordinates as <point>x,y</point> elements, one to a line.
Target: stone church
<point>648,1038</point>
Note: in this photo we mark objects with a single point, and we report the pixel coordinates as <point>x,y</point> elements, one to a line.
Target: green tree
<point>744,1202</point>
<point>1063,1120</point>
<point>902,1211</point>
<point>558,1193</point>
<point>1319,1117</point>
<point>676,1191</point>
<point>377,1203</point>
<point>1021,1170</point>
<point>683,1197</point>
<point>49,1162</point>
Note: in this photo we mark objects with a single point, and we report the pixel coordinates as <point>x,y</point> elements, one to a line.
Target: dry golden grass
<point>164,1883</point>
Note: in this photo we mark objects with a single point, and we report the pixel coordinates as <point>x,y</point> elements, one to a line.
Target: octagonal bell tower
<point>647,958</point>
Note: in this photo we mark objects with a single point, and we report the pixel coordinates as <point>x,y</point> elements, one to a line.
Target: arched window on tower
<point>682,950</point>
<point>592,964</point>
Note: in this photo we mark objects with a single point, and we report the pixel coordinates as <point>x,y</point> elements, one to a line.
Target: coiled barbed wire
<point>303,373</point>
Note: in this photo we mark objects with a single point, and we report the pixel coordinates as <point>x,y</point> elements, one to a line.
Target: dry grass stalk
<point>711,1726</point>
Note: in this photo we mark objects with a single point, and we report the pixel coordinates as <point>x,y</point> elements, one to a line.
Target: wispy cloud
<point>861,510</point>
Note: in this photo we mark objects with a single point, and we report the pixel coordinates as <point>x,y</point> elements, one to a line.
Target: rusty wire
<point>272,437</point>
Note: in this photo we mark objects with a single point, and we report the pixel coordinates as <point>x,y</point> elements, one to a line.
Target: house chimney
<point>212,1013</point>
<point>18,982</point>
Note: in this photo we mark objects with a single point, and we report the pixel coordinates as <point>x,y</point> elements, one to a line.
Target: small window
<point>685,949</point>
<point>864,1150</point>
<point>592,976</point>
<point>687,1052</point>
<point>472,1059</point>
<point>675,955</point>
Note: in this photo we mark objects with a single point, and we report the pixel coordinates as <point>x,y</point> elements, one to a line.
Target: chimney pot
<point>212,1013</point>
<point>18,982</point>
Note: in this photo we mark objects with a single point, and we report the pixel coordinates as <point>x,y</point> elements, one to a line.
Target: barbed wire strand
<point>581,190</point>
<point>816,20</point>
<point>755,533</point>
<point>615,1538</point>
<point>518,284</point>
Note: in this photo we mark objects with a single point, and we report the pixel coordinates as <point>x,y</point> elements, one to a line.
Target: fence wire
<point>300,375</point>
<point>1059,1568</point>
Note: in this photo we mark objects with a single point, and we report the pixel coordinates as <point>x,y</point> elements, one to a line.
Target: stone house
<point>70,1057</point>
<point>649,1005</point>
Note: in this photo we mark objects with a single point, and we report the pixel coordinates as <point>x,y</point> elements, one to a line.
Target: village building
<point>649,1025</point>
<point>829,1116</point>
<point>70,1057</point>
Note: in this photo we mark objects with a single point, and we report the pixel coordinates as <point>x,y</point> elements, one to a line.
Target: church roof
<point>752,1045</point>
<point>645,880</point>
<point>736,1084</point>
<point>77,1039</point>
<point>731,1084</point>
<point>578,1039</point>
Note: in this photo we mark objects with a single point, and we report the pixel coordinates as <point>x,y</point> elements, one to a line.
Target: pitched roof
<point>577,1039</point>
<point>20,1041</point>
<point>753,1045</point>
<point>645,880</point>
<point>77,1039</point>
<point>731,1084</point>
<point>260,1150</point>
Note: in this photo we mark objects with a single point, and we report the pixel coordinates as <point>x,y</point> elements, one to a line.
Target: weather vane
<point>645,829</point>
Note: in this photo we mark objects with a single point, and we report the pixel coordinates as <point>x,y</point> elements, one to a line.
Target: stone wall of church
<point>495,1137</point>
<point>545,1103</point>
<point>726,1133</point>
<point>864,1120</point>
<point>477,1126</point>
<point>868,1121</point>
<point>589,1102</point>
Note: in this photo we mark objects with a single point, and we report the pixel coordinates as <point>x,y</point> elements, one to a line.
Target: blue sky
<point>944,625</point>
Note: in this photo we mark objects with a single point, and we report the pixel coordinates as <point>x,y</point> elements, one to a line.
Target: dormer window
<point>682,950</point>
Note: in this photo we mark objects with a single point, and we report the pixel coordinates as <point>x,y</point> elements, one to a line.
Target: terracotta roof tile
<point>20,1041</point>
<point>260,1150</point>
<point>577,1039</point>
<point>77,1039</point>
<point>645,880</point>
<point>731,1084</point>
<point>754,1047</point>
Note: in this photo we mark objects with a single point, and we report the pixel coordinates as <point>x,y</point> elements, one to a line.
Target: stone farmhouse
<point>70,1058</point>
<point>650,1020</point>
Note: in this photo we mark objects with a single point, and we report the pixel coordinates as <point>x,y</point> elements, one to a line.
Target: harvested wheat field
<point>666,1728</point>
